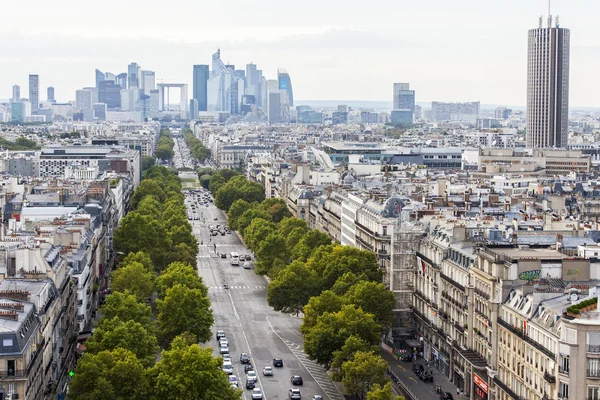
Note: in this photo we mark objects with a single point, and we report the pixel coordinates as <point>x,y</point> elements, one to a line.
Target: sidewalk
<point>409,382</point>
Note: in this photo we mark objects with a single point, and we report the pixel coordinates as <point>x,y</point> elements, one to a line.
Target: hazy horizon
<point>449,51</point>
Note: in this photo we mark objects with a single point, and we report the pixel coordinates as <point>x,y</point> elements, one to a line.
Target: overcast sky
<point>461,50</point>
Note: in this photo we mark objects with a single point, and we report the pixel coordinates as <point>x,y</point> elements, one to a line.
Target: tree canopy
<point>126,307</point>
<point>363,371</point>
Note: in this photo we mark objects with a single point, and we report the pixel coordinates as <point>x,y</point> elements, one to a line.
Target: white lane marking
<point>302,361</point>
<point>247,343</point>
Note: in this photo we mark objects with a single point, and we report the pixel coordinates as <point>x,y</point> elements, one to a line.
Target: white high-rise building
<point>398,87</point>
<point>84,100</point>
<point>548,86</point>
<point>148,81</point>
<point>224,89</point>
<point>129,98</point>
<point>16,94</point>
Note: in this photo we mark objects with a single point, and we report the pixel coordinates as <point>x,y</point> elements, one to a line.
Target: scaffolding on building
<point>407,234</point>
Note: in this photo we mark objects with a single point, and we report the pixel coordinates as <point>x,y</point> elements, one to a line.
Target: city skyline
<point>483,51</point>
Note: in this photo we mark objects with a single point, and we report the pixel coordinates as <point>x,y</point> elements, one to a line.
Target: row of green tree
<point>21,143</point>
<point>120,360</point>
<point>346,307</point>
<point>164,147</point>
<point>197,149</point>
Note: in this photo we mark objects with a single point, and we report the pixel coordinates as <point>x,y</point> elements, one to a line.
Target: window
<point>10,367</point>
<point>593,367</point>
<point>593,393</point>
<point>7,342</point>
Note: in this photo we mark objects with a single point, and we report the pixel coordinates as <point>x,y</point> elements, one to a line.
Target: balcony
<point>483,294</point>
<point>506,389</point>
<point>549,378</point>
<point>593,373</point>
<point>421,316</point>
<point>593,348</point>
<point>562,370</point>
<point>522,335</point>
<point>459,328</point>
<point>452,282</point>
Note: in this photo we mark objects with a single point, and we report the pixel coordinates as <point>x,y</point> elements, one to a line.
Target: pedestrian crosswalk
<point>315,370</point>
<point>236,287</point>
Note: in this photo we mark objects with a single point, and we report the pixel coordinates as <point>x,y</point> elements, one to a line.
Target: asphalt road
<point>250,324</point>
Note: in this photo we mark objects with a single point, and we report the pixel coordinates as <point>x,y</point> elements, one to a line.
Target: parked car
<point>233,380</point>
<point>296,380</point>
<point>227,368</point>
<point>224,349</point>
<point>220,334</point>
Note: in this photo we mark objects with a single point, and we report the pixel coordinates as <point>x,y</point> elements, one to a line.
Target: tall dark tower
<point>548,86</point>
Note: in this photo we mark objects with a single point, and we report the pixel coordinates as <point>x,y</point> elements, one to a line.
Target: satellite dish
<point>494,143</point>
<point>428,142</point>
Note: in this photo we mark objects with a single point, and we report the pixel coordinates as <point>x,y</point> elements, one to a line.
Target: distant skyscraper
<point>34,93</point>
<point>50,92</point>
<point>200,90</point>
<point>129,98</point>
<point>99,77</point>
<point>133,79</point>
<point>109,76</point>
<point>397,88</point>
<point>16,97</point>
<point>274,107</point>
<point>83,100</point>
<point>443,111</point>
<point>121,80</point>
<point>99,111</point>
<point>548,86</point>
<point>193,109</point>
<point>222,87</point>
<point>285,83</point>
<point>110,94</point>
<point>148,81</point>
<point>20,110</point>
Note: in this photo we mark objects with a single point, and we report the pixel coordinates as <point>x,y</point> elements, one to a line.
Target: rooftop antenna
<point>549,14</point>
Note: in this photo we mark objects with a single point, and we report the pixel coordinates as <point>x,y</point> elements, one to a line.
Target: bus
<point>235,259</point>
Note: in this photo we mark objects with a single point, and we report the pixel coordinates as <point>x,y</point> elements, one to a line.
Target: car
<point>294,393</point>
<point>227,368</point>
<point>277,362</point>
<point>246,265</point>
<point>244,358</point>
<point>226,358</point>
<point>222,233</point>
<point>250,384</point>
<point>220,334</point>
<point>224,350</point>
<point>223,255</point>
<point>214,233</point>
<point>317,397</point>
<point>296,380</point>
<point>252,375</point>
<point>248,367</point>
<point>268,371</point>
<point>256,394</point>
<point>446,396</point>
<point>248,258</point>
<point>223,341</point>
<point>233,380</point>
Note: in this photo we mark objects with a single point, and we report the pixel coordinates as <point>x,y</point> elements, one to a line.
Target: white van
<point>235,259</point>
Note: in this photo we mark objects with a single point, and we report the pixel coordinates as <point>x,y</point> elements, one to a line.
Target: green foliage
<point>236,210</point>
<point>21,143</point>
<point>373,298</point>
<point>333,329</point>
<point>147,187</point>
<point>291,290</point>
<point>363,371</point>
<point>164,148</point>
<point>190,372</point>
<point>272,254</point>
<point>111,334</point>
<point>204,180</point>
<point>294,237</point>
<point>125,307</point>
<point>326,302</point>
<point>115,374</point>
<point>184,310</point>
<point>309,243</point>
<point>332,262</point>
<point>182,274</point>
<point>287,225</point>
<point>345,282</point>
<point>183,253</point>
<point>385,392</point>
<point>236,188</point>
<point>257,232</point>
<point>220,178</point>
<point>147,162</point>
<point>150,206</point>
<point>140,257</point>
<point>134,278</point>
<point>353,344</point>
<point>248,216</point>
<point>276,208</point>
<point>197,149</point>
